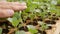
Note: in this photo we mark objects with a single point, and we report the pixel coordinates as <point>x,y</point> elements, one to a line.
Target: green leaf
<point>10,19</point>
<point>44,26</point>
<point>32,29</point>
<point>20,32</point>
<point>0,30</point>
<point>14,21</point>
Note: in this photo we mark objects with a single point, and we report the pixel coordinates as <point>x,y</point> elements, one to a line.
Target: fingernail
<point>10,12</point>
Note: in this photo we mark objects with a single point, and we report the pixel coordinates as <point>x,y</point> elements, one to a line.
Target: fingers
<point>13,5</point>
<point>7,8</point>
<point>6,13</point>
<point>16,3</point>
<point>19,7</point>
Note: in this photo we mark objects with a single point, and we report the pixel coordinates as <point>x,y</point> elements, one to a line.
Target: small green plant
<point>0,30</point>
<point>15,19</point>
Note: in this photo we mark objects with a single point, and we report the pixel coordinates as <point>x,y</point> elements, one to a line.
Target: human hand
<point>7,8</point>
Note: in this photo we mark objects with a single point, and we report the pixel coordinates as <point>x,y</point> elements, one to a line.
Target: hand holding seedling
<point>7,8</point>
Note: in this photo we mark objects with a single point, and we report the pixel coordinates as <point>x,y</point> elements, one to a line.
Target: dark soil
<point>24,28</point>
<point>28,22</point>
